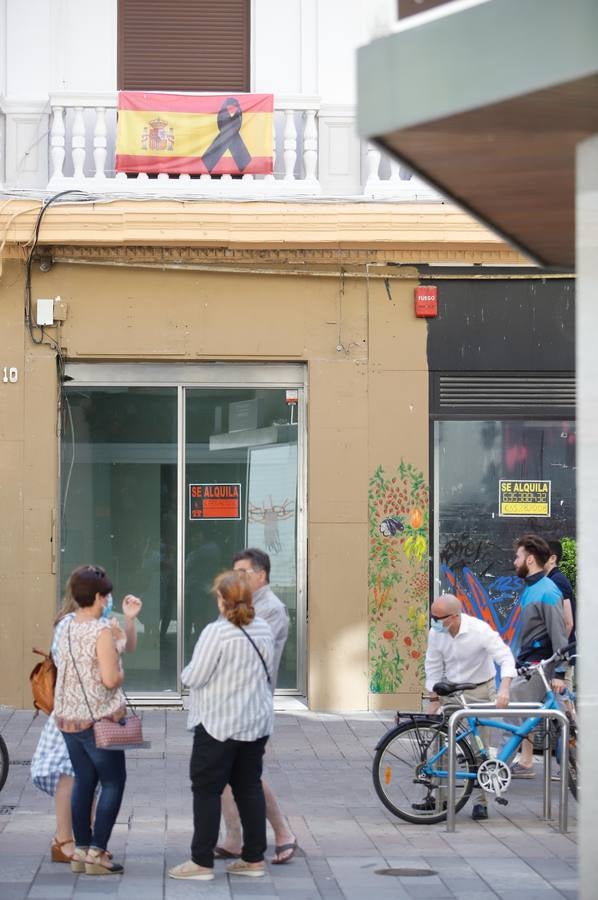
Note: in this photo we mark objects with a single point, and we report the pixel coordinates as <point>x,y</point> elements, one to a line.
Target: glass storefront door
<point>241,490</point>
<point>163,482</point>
<point>119,510</point>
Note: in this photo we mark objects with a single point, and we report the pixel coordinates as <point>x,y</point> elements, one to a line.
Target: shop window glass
<point>473,541</point>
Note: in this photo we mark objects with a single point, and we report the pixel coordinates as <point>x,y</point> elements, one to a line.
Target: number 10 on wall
<point>10,375</point>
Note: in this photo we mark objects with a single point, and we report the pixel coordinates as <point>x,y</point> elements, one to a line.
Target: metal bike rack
<point>514,710</point>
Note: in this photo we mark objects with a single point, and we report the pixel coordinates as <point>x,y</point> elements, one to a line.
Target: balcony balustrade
<point>306,140</point>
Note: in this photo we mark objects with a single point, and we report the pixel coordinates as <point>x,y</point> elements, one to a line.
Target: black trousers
<point>214,764</point>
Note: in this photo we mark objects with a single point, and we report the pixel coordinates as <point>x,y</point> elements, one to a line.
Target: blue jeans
<point>92,765</point>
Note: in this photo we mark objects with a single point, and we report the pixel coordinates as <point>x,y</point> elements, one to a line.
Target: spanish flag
<point>218,134</point>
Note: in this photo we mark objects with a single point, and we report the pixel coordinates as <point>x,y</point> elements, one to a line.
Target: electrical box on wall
<point>426,301</point>
<point>50,311</point>
<point>45,312</point>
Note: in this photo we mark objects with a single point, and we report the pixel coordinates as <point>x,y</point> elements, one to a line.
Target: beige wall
<point>28,483</point>
<point>367,407</point>
<point>398,431</point>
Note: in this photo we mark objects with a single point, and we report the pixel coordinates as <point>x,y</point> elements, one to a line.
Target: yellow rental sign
<point>524,498</point>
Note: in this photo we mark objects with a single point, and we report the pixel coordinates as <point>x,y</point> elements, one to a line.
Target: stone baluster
<point>57,132</point>
<point>78,144</point>
<point>270,177</point>
<point>99,143</point>
<point>290,145</point>
<point>310,146</point>
<point>395,172</point>
<point>373,176</point>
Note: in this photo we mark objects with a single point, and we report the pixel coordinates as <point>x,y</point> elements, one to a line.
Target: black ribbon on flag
<point>228,137</point>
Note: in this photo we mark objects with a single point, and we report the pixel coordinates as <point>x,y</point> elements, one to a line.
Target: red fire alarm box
<point>426,300</point>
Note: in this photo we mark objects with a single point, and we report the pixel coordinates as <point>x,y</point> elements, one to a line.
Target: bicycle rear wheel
<point>3,762</point>
<point>404,776</point>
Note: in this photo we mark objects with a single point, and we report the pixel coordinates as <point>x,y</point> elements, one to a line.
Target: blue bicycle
<point>410,766</point>
<point>3,762</point>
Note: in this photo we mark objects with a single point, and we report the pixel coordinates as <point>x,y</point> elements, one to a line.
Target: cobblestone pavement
<point>319,766</point>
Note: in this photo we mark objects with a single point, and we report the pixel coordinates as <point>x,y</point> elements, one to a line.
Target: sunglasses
<point>440,618</point>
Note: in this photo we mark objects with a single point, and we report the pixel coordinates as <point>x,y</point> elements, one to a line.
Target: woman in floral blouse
<point>88,687</point>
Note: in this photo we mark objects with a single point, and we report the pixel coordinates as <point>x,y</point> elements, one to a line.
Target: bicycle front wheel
<point>572,770</point>
<point>3,762</point>
<point>404,770</point>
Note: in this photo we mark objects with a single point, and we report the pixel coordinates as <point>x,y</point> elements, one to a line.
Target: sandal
<point>57,854</point>
<point>223,853</point>
<point>77,860</point>
<point>284,848</point>
<point>94,865</point>
<point>240,867</point>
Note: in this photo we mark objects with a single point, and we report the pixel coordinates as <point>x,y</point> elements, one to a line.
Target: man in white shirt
<point>256,565</point>
<point>462,648</point>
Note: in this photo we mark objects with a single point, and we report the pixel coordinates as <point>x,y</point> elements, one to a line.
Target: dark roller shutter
<point>411,7</point>
<point>496,395</point>
<point>183,45</point>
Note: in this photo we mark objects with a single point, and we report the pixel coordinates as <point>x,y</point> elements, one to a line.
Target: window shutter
<point>183,45</point>
<point>412,7</point>
<point>491,394</point>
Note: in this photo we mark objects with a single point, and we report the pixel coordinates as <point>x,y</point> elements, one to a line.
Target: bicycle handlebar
<point>564,653</point>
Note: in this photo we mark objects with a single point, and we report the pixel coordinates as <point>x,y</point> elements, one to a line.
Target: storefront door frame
<point>183,376</point>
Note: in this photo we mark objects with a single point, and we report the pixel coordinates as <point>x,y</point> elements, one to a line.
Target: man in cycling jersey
<point>542,632</point>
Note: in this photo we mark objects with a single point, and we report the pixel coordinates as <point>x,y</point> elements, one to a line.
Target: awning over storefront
<point>488,101</point>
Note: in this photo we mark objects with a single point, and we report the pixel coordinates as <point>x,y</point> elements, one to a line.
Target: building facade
<point>194,365</point>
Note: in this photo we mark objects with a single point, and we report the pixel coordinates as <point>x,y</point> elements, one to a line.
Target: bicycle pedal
<point>502,801</point>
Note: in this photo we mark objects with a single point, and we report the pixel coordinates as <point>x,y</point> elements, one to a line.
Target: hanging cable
<point>29,264</point>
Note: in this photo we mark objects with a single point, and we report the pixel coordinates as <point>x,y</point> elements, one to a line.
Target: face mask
<point>108,608</point>
<point>437,626</point>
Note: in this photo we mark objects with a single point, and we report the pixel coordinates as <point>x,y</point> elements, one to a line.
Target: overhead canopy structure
<point>487,101</point>
<point>496,103</point>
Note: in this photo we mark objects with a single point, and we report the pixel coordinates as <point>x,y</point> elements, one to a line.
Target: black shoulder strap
<point>250,639</point>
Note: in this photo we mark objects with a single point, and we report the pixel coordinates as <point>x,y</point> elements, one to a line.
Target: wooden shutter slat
<point>183,45</point>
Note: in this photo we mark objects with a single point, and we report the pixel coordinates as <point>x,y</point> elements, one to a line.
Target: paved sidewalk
<point>319,765</point>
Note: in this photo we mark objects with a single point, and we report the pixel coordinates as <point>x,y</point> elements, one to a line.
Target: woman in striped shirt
<point>231,715</point>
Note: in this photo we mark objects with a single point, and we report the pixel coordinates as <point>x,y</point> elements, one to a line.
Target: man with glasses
<point>462,648</point>
<point>256,565</point>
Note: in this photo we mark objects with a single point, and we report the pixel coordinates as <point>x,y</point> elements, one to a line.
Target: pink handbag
<point>125,734</point>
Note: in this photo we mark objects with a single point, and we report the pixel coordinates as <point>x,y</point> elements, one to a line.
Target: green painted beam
<point>465,60</point>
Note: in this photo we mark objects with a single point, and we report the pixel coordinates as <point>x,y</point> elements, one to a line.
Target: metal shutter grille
<point>470,392</point>
<point>183,45</point>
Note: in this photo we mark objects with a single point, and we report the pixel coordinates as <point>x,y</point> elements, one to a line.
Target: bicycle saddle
<point>446,688</point>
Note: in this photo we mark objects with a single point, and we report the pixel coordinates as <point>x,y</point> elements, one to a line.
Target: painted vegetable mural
<point>398,506</point>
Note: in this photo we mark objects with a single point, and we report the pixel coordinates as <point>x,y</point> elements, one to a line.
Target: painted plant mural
<point>398,509</point>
